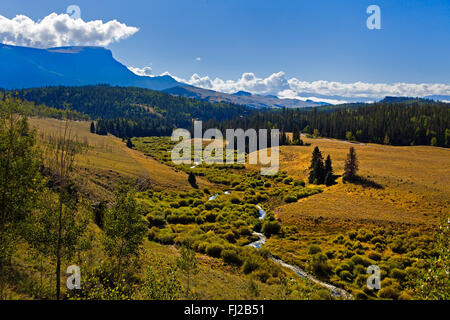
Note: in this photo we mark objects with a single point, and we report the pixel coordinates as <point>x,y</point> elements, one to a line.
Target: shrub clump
<point>231,257</point>
<point>271,227</point>
<point>214,250</point>
<point>314,248</point>
<point>249,265</point>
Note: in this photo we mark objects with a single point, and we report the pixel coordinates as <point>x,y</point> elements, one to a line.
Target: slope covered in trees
<point>416,123</point>
<point>130,111</point>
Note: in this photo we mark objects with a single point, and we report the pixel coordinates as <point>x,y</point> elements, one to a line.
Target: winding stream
<point>302,273</point>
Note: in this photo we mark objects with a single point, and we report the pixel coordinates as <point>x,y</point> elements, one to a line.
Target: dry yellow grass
<point>415,183</point>
<point>162,176</point>
<point>107,160</point>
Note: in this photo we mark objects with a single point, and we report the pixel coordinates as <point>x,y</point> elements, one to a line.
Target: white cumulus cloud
<point>321,90</point>
<point>57,30</point>
<point>145,71</point>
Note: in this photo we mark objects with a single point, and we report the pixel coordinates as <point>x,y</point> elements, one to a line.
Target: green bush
<point>398,246</point>
<point>357,259</point>
<point>374,256</point>
<point>290,199</point>
<point>320,265</point>
<point>231,257</point>
<point>346,275</point>
<point>299,183</point>
<point>201,247</point>
<point>199,220</point>
<point>245,231</point>
<point>330,254</point>
<point>314,248</point>
<point>250,265</point>
<point>377,239</point>
<point>156,221</point>
<point>388,293</point>
<point>210,217</point>
<point>398,274</point>
<point>235,200</point>
<point>339,239</point>
<point>271,227</point>
<point>361,280</point>
<point>214,250</point>
<point>230,236</point>
<point>165,237</point>
<point>262,275</point>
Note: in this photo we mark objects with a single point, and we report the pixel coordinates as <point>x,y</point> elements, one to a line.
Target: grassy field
<point>415,183</point>
<point>331,232</point>
<point>107,160</point>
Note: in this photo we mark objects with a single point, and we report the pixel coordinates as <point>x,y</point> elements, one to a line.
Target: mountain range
<point>25,67</point>
<point>240,97</point>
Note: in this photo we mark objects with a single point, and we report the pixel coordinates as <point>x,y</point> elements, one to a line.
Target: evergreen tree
<point>101,128</point>
<point>283,138</point>
<point>92,127</point>
<point>192,180</point>
<point>328,165</point>
<point>317,170</point>
<point>351,165</point>
<point>329,179</point>
<point>130,143</point>
<point>296,136</point>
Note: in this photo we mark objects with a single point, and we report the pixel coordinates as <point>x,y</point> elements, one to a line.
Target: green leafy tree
<point>434,282</point>
<point>20,180</point>
<point>188,265</point>
<point>161,281</point>
<point>59,228</point>
<point>59,232</point>
<point>125,228</point>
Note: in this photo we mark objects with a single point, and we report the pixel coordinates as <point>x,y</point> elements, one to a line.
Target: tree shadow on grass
<point>364,182</point>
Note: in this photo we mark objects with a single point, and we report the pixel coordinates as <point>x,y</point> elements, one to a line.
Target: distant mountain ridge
<point>240,97</point>
<point>390,99</point>
<point>23,67</point>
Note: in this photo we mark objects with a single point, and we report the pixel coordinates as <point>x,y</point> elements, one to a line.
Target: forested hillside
<point>130,111</point>
<point>425,123</point>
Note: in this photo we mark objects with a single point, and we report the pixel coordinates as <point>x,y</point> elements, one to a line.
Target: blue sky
<point>308,40</point>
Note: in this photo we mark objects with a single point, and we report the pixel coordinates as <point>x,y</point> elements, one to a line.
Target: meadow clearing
<point>332,232</point>
<point>414,183</point>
